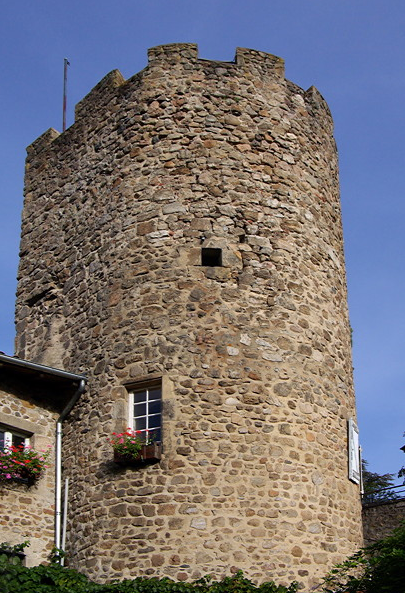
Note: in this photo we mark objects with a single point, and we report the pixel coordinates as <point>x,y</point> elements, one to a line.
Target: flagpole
<point>65,65</point>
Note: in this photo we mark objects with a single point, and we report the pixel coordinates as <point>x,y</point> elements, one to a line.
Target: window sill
<point>26,480</point>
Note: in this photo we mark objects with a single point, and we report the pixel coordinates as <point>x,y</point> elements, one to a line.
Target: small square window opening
<point>211,256</point>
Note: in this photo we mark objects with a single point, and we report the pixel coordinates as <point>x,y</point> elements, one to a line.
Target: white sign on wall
<point>354,451</point>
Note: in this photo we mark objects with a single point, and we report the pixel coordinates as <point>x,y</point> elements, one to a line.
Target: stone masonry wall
<point>27,512</point>
<point>380,520</point>
<point>254,354</point>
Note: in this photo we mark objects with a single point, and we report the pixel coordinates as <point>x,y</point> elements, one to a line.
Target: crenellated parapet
<point>182,60</point>
<point>187,54</point>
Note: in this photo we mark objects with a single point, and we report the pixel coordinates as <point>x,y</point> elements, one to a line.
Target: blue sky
<point>351,50</point>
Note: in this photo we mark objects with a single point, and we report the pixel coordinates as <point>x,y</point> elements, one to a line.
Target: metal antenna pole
<point>66,63</point>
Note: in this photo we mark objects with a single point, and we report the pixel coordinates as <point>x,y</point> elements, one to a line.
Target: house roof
<point>28,380</point>
<point>14,363</point>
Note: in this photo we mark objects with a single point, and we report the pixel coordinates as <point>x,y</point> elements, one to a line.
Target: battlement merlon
<point>173,53</point>
<point>182,55</point>
<point>101,94</point>
<point>187,53</point>
<point>251,58</point>
<point>314,98</point>
<point>42,141</point>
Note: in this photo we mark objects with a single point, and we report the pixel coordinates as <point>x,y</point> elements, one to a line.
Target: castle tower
<point>182,240</point>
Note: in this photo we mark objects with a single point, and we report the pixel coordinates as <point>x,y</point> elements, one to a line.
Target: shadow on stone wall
<point>381,518</point>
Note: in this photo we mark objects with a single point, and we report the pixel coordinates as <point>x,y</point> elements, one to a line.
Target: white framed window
<point>145,410</point>
<point>12,438</point>
<point>354,451</point>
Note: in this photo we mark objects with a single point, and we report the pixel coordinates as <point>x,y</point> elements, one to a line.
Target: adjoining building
<point>34,401</point>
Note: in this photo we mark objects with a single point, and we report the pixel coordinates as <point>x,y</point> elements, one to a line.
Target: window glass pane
<point>139,396</point>
<point>155,393</point>
<point>2,437</point>
<point>154,435</point>
<point>154,421</point>
<point>140,423</point>
<point>17,441</point>
<point>140,410</point>
<point>154,407</point>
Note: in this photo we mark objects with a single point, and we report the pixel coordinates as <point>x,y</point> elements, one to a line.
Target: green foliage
<point>235,584</point>
<point>56,555</point>
<point>10,554</point>
<point>239,584</point>
<point>16,549</point>
<point>401,473</point>
<point>376,486</point>
<point>43,579</point>
<point>379,568</point>
<point>56,579</point>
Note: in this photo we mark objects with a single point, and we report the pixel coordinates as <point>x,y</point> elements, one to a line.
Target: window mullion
<point>147,412</point>
<point>131,411</point>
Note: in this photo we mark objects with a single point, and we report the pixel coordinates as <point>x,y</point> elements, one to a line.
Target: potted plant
<point>135,447</point>
<point>22,464</point>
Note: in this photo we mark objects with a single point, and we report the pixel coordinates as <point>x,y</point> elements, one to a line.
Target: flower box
<point>22,464</point>
<point>147,454</point>
<point>24,477</point>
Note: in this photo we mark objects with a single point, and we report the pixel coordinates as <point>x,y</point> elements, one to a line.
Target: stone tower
<point>183,239</point>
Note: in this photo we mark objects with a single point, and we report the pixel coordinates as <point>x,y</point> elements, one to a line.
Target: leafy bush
<point>43,579</point>
<point>379,568</point>
<point>239,584</point>
<point>56,579</point>
<point>235,584</point>
<point>10,554</point>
